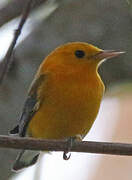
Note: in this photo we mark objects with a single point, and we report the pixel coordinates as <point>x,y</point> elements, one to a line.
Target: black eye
<point>79,53</point>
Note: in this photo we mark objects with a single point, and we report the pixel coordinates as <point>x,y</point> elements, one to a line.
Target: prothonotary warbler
<point>64,98</point>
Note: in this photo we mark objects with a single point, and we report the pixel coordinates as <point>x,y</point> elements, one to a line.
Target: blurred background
<point>104,23</point>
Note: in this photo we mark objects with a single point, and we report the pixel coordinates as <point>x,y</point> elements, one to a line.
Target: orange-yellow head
<point>77,54</point>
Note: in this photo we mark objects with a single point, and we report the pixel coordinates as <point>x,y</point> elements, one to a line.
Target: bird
<point>64,97</point>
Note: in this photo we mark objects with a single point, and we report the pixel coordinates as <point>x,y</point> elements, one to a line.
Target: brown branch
<point>7,60</point>
<point>61,145</point>
<point>14,8</point>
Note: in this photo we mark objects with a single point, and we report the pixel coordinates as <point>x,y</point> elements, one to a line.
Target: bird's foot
<point>70,143</point>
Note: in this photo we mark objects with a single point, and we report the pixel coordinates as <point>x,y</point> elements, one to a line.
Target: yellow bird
<point>64,98</point>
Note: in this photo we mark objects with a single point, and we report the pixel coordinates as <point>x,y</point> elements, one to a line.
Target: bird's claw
<point>65,157</point>
<point>70,142</point>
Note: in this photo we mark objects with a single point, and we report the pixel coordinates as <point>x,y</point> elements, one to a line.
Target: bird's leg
<point>70,143</point>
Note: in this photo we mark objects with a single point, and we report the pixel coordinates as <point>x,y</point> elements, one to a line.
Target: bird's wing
<point>31,106</point>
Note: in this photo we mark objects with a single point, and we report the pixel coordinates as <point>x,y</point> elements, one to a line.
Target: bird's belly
<point>68,116</point>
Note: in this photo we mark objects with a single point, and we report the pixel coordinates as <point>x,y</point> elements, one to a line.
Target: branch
<point>7,60</point>
<point>14,8</point>
<point>62,145</point>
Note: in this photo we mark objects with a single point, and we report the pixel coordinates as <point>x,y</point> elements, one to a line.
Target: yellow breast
<point>69,107</point>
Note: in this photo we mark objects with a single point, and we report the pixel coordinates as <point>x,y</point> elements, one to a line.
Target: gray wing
<point>30,107</point>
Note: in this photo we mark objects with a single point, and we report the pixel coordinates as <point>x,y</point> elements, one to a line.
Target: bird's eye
<point>79,53</point>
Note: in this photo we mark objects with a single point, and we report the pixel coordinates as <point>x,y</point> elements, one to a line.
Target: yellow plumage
<point>65,96</point>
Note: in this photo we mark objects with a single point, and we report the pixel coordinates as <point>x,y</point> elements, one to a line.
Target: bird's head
<point>80,53</point>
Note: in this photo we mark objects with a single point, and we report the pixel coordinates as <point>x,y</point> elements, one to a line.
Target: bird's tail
<point>25,159</point>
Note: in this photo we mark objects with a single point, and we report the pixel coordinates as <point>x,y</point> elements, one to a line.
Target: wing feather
<point>31,106</point>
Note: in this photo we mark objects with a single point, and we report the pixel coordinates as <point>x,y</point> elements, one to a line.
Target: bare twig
<point>6,61</point>
<point>14,8</point>
<point>61,145</point>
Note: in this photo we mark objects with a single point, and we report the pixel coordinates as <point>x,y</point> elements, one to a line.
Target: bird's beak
<point>107,54</point>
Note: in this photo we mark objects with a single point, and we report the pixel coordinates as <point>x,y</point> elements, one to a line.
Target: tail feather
<point>25,159</point>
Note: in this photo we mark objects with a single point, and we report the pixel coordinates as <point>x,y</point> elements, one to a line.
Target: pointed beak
<point>107,54</point>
